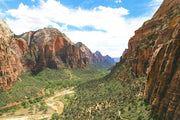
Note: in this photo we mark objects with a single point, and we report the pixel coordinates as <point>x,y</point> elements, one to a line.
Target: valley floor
<point>52,102</point>
<point>89,94</point>
<point>40,96</point>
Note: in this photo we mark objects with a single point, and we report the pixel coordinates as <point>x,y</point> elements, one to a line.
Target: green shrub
<point>1,113</point>
<point>25,104</point>
<point>55,116</point>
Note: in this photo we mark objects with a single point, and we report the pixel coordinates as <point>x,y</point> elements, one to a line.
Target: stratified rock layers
<point>10,65</point>
<point>49,47</point>
<point>35,51</point>
<point>155,51</point>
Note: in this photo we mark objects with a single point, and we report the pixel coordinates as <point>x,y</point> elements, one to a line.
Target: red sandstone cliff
<point>155,51</point>
<point>35,51</point>
<point>49,47</point>
<point>10,53</point>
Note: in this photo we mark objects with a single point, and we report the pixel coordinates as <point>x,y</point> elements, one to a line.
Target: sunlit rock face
<point>10,53</point>
<point>49,47</point>
<point>155,52</point>
<point>87,54</point>
<point>35,50</point>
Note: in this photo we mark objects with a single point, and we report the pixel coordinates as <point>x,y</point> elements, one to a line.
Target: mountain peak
<point>79,44</point>
<point>4,28</point>
<point>98,53</point>
<point>45,35</point>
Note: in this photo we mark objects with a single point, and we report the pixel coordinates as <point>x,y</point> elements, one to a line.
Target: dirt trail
<point>56,105</point>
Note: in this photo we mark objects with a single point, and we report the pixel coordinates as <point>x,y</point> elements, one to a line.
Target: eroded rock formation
<point>35,51</point>
<point>49,47</point>
<point>155,51</point>
<point>87,54</point>
<point>10,52</point>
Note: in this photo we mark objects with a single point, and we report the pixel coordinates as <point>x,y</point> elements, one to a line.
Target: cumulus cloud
<point>112,40</point>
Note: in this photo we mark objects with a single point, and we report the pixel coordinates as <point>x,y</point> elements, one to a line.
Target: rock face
<point>10,53</point>
<point>155,51</point>
<point>87,54</point>
<point>35,51</point>
<point>97,57</point>
<point>49,47</point>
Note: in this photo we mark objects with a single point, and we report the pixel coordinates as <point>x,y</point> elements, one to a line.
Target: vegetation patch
<point>116,96</point>
<point>32,87</point>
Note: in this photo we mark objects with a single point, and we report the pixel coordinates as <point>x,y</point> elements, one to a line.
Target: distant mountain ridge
<point>96,57</point>
<point>110,59</point>
<point>116,59</point>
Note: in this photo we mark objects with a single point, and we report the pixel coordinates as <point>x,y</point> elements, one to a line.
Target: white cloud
<point>33,0</point>
<point>112,42</point>
<point>118,1</point>
<point>51,12</point>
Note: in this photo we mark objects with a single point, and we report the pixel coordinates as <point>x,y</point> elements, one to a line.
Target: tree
<point>55,116</point>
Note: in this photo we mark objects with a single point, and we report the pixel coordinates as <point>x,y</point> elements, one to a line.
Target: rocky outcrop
<point>163,80</point>
<point>97,57</point>
<point>49,47</point>
<point>155,52</point>
<point>10,52</point>
<point>87,54</point>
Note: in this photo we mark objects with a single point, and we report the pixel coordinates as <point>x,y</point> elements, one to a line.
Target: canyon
<point>153,53</point>
<point>37,50</point>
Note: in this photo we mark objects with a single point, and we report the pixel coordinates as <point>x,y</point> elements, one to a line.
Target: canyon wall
<point>10,53</point>
<point>34,51</point>
<point>154,50</point>
<point>49,47</point>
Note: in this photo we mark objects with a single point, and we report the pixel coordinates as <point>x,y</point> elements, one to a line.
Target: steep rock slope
<point>155,51</point>
<point>49,47</point>
<point>97,57</point>
<point>87,54</point>
<point>11,49</point>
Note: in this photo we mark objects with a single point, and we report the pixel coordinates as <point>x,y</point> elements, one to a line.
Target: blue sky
<point>104,25</point>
